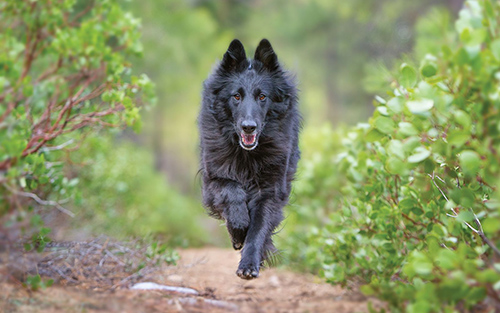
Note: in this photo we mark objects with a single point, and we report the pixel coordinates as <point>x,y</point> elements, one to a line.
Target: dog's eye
<point>262,97</point>
<point>237,97</point>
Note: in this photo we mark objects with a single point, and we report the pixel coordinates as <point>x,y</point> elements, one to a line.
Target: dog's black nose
<point>248,126</point>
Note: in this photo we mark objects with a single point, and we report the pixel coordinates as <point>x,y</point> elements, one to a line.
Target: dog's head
<point>249,93</point>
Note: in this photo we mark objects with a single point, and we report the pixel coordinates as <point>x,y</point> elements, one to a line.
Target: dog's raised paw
<point>237,237</point>
<point>247,272</point>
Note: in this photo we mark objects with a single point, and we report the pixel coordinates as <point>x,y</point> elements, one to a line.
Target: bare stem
<point>40,201</point>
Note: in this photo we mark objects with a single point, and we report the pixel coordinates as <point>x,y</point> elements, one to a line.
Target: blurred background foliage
<point>330,45</point>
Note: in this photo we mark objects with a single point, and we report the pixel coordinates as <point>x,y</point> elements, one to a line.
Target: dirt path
<point>210,271</point>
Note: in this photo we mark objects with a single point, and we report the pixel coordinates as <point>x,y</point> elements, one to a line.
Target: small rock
<point>175,278</point>
<point>274,281</point>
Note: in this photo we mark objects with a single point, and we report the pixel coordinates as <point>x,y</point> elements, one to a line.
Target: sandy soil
<point>210,271</point>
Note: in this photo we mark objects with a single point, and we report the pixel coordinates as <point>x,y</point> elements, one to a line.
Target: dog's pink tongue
<point>248,139</point>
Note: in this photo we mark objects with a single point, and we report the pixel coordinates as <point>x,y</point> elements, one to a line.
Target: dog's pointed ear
<point>234,55</point>
<point>265,54</point>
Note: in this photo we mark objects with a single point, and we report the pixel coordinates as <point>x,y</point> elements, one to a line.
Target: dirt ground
<point>211,272</point>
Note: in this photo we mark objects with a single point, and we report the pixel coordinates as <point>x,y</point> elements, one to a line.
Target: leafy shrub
<point>315,195</point>
<point>120,193</point>
<point>63,73</point>
<point>417,221</point>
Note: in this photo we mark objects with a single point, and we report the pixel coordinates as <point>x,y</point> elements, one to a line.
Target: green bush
<point>417,221</point>
<point>64,73</point>
<point>120,193</point>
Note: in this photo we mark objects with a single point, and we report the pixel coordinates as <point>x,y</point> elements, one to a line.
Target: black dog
<point>249,125</point>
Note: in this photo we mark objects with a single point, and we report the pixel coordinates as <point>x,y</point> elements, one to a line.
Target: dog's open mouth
<point>248,141</point>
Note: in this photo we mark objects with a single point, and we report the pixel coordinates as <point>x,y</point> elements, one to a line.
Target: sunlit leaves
<point>408,76</point>
<point>418,155</point>
<point>469,161</point>
<point>420,106</point>
<point>407,129</point>
<point>395,166</point>
<point>384,125</point>
<point>395,104</point>
<point>428,67</point>
<point>462,118</point>
<point>428,70</point>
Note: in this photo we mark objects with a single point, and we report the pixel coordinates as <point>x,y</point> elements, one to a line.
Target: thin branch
<point>432,177</point>
<point>59,147</point>
<point>50,71</point>
<point>40,201</point>
<point>478,231</point>
<point>74,22</point>
<point>10,107</point>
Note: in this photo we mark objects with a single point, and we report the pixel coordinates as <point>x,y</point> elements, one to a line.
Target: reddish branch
<point>67,120</point>
<point>31,47</point>
<point>61,115</point>
<point>10,107</point>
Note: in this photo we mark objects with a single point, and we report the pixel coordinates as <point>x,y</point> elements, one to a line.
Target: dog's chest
<point>250,171</point>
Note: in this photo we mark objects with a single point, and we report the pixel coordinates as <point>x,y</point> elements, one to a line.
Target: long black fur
<point>248,185</point>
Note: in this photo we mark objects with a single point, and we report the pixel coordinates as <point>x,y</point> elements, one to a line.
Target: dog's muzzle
<point>248,135</point>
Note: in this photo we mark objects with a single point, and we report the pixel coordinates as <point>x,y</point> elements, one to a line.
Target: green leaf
<point>367,290</point>
<point>378,98</point>
<point>469,162</point>
<point>462,57</point>
<point>383,110</point>
<point>464,196</point>
<point>49,283</point>
<point>476,294</point>
<point>495,48</point>
<point>462,118</point>
<point>407,203</point>
<point>428,70</point>
<point>475,37</point>
<point>491,225</point>
<point>407,129</point>
<point>384,125</point>
<point>411,143</point>
<point>395,105</point>
<point>419,154</point>
<point>395,166</point>
<point>458,138</point>
<point>420,106</point>
<point>395,148</point>
<point>408,77</point>
<point>374,135</point>
<point>465,216</point>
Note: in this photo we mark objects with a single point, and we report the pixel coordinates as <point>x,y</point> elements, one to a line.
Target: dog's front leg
<point>264,218</point>
<point>227,198</point>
